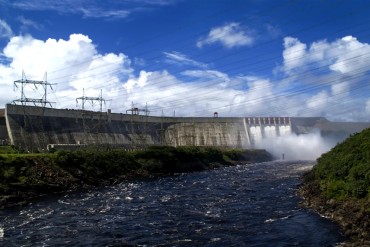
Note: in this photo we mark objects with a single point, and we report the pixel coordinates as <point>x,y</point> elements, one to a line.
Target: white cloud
<point>175,57</point>
<point>137,82</point>
<point>318,101</point>
<point>163,91</point>
<point>5,30</point>
<point>74,64</point>
<point>230,35</point>
<point>350,56</point>
<point>340,88</point>
<point>293,54</point>
<point>330,76</point>
<point>345,56</point>
<point>207,74</point>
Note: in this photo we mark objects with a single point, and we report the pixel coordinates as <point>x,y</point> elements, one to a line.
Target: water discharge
<point>270,131</point>
<point>308,146</point>
<point>285,130</point>
<point>255,135</point>
<point>246,205</point>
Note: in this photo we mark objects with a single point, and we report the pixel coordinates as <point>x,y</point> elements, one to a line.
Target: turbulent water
<point>247,205</point>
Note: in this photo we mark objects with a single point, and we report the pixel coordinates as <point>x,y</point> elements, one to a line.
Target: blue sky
<point>193,57</point>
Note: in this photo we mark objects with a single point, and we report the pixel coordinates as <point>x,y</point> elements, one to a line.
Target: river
<point>245,205</point>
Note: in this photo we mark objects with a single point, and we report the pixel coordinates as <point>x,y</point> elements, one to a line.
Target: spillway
<point>285,130</point>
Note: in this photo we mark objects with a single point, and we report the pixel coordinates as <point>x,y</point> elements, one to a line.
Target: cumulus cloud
<point>293,54</point>
<point>230,35</point>
<point>340,88</point>
<point>200,97</point>
<point>331,75</point>
<point>73,64</point>
<point>345,56</point>
<point>318,101</point>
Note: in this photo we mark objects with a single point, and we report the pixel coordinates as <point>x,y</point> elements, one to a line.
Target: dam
<point>34,128</point>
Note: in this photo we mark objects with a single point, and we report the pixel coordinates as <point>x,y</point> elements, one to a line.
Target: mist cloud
<point>298,147</point>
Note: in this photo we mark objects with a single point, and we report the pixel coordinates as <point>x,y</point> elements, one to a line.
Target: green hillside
<point>344,172</point>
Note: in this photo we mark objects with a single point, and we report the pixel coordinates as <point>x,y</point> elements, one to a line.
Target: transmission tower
<point>92,99</point>
<point>92,122</point>
<point>139,128</point>
<point>24,100</point>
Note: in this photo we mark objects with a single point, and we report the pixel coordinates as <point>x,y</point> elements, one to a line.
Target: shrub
<point>345,170</point>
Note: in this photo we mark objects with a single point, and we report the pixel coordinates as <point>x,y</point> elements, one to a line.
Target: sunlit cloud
<point>72,64</point>
<point>75,65</point>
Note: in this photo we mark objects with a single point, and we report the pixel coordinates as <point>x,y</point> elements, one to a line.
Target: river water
<point>246,205</point>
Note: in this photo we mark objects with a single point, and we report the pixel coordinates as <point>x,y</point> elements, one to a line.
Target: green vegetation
<point>338,187</point>
<point>7,150</point>
<point>344,172</point>
<point>24,176</point>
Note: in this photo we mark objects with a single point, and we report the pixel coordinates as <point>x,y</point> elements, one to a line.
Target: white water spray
<point>297,147</point>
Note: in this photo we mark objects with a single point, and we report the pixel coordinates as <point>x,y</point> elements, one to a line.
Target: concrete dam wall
<point>3,131</point>
<point>34,128</point>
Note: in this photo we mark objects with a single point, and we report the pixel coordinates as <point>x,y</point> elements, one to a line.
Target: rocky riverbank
<point>352,215</point>
<point>24,177</point>
<point>338,187</point>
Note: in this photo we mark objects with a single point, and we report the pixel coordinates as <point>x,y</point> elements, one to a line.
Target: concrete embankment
<point>3,131</point>
<point>25,177</point>
<point>36,128</point>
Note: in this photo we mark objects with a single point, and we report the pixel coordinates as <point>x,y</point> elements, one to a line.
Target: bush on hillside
<point>345,170</point>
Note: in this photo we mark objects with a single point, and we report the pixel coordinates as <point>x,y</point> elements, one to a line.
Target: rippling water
<point>249,205</point>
